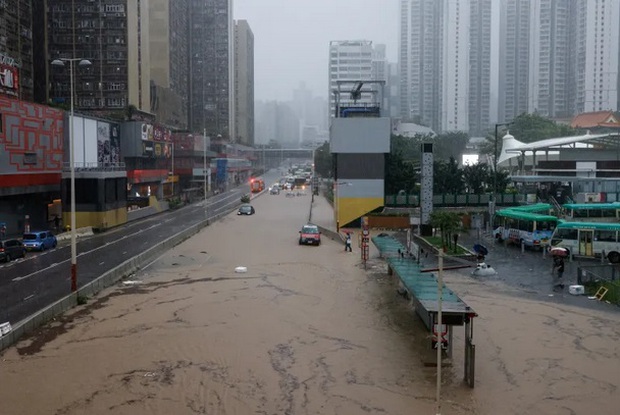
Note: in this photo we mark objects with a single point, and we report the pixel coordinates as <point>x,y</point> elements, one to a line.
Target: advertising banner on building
<point>222,165</point>
<point>108,143</point>
<point>9,80</point>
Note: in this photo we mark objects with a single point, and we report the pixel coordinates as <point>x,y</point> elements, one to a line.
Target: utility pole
<point>439,333</point>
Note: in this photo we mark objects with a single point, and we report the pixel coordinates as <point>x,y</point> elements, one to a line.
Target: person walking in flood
<point>347,243</point>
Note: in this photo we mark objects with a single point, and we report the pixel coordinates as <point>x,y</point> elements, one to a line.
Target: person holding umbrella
<point>558,265</point>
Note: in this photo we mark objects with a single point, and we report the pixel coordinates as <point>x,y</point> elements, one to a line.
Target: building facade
<point>16,49</point>
<point>211,68</point>
<point>455,68</point>
<point>596,55</point>
<point>550,50</point>
<point>349,60</point>
<point>480,30</point>
<point>514,59</point>
<point>244,83</point>
<point>114,36</point>
<point>421,61</point>
<point>169,45</point>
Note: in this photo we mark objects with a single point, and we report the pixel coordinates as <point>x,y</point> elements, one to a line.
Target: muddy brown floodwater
<point>304,331</point>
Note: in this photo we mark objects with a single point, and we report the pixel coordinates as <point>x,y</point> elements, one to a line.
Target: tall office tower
<point>514,58</point>
<point>596,57</point>
<point>393,90</point>
<point>480,66</point>
<point>421,61</point>
<point>550,50</point>
<point>244,83</point>
<point>169,44</point>
<point>211,44</point>
<point>455,68</point>
<point>349,60</point>
<point>114,36</point>
<point>380,73</point>
<point>404,55</point>
<point>16,49</point>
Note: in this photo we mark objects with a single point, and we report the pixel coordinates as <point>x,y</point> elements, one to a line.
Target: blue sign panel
<point>222,165</point>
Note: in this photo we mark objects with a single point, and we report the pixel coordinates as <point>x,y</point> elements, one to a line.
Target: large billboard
<point>108,143</point>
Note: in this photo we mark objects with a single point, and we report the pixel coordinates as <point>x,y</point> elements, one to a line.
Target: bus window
<point>605,236</point>
<point>566,234</point>
<point>526,225</point>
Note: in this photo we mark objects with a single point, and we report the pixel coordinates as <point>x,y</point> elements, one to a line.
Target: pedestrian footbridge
<point>422,290</point>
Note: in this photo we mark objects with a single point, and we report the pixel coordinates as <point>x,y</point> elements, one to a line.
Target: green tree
<point>323,161</point>
<point>475,177</point>
<point>448,223</point>
<point>447,177</point>
<point>502,180</point>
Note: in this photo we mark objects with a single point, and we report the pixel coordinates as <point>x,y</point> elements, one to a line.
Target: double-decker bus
<point>531,229</point>
<point>257,185</point>
<point>592,212</point>
<point>589,239</point>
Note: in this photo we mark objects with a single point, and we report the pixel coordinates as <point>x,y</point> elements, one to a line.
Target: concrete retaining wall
<point>335,236</point>
<point>106,280</point>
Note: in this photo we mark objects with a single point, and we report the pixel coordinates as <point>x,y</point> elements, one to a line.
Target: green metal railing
<point>413,200</point>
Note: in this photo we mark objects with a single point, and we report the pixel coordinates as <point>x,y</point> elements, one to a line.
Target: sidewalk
<point>322,215</point>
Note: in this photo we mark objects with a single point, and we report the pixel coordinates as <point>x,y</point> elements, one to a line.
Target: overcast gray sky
<point>291,38</point>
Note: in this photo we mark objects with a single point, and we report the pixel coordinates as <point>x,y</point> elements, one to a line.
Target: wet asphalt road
<point>529,271</point>
<point>30,284</point>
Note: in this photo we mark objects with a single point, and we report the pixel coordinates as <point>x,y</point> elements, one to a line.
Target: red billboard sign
<point>9,80</point>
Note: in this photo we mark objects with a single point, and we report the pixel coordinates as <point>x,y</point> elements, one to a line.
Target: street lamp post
<point>82,63</point>
<point>495,163</point>
<point>204,170</point>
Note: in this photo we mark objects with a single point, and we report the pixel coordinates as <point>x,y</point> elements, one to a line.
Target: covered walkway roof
<point>511,147</point>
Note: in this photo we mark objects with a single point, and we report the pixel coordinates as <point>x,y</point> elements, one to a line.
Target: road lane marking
<point>29,297</point>
<point>16,279</point>
<point>23,277</point>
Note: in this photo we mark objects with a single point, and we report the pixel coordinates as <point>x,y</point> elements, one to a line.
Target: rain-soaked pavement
<point>305,331</point>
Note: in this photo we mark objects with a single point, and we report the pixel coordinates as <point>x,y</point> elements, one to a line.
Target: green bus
<point>592,212</point>
<point>531,229</point>
<point>589,239</point>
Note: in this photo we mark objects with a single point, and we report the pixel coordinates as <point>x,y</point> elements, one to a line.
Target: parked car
<point>11,249</point>
<point>309,234</point>
<point>275,190</point>
<point>246,210</point>
<point>39,241</point>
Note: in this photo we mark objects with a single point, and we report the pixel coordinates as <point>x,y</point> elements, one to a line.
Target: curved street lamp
<point>82,63</point>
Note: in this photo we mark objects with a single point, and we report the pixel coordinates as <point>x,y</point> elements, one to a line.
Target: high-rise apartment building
<point>169,45</point>
<point>596,55</point>
<point>350,60</point>
<point>455,68</point>
<point>212,73</point>
<point>549,58</point>
<point>114,36</point>
<point>16,49</point>
<point>479,66</point>
<point>244,83</point>
<point>514,58</point>
<point>445,52</point>
<point>421,61</point>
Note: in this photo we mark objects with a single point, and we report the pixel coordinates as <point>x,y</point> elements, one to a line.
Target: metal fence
<point>413,200</point>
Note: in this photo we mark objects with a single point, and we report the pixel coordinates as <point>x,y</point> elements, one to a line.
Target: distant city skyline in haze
<point>292,39</point>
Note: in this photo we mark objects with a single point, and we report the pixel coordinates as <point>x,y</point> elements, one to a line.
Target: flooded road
<point>304,331</point>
